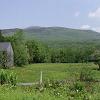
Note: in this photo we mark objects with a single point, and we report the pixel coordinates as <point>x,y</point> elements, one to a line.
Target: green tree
<point>19,48</point>
<point>95,57</point>
<point>38,53</point>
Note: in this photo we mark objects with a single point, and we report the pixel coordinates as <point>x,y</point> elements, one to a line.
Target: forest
<point>34,51</point>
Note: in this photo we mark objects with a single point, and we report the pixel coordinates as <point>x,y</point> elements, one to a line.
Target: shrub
<point>3,77</point>
<point>95,57</point>
<point>3,59</point>
<point>12,79</point>
<point>86,75</point>
<point>6,78</point>
<point>52,84</point>
<point>77,86</point>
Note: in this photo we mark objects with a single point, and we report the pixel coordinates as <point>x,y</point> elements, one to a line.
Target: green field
<point>69,72</point>
<point>31,73</point>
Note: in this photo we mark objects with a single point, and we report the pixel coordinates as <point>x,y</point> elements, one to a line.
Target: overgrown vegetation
<point>96,58</point>
<point>3,59</point>
<point>60,82</point>
<point>86,75</point>
<point>7,78</point>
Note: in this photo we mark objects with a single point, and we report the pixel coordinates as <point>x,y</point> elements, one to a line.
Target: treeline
<point>32,51</point>
<point>71,55</point>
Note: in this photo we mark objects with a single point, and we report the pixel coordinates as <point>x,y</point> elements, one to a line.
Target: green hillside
<point>61,34</point>
<point>57,35</point>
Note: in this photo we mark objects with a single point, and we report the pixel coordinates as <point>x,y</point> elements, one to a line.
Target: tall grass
<point>73,89</point>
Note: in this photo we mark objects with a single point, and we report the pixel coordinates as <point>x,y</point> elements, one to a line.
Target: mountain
<point>57,34</point>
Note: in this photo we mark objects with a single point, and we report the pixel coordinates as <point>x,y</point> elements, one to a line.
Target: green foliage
<point>37,52</point>
<point>19,48</point>
<point>61,85</point>
<point>3,59</point>
<point>3,77</point>
<point>52,84</point>
<point>12,79</point>
<point>20,55</point>
<point>96,57</point>
<point>2,39</point>
<point>6,78</point>
<point>86,75</point>
<point>77,86</point>
<point>70,55</point>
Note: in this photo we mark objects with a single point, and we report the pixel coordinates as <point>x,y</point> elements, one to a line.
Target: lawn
<point>31,73</point>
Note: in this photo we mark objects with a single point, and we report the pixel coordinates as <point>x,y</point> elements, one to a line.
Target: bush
<point>78,87</point>
<point>86,75</point>
<point>53,84</point>
<point>12,79</point>
<point>3,77</point>
<point>6,78</point>
<point>3,59</point>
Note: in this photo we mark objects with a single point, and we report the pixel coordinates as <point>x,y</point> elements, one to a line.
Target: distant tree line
<point>32,51</point>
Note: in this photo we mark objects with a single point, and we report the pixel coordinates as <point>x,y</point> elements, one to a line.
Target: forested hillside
<point>58,36</point>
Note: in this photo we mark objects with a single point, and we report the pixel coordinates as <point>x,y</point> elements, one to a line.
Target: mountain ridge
<point>46,34</point>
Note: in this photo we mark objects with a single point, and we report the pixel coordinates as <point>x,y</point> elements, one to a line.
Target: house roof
<point>4,46</point>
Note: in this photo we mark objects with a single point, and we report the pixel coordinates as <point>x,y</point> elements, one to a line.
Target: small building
<point>7,48</point>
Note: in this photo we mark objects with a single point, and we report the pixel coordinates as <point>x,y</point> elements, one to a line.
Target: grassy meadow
<point>54,72</point>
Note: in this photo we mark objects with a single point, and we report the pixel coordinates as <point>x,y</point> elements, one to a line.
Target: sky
<point>81,14</point>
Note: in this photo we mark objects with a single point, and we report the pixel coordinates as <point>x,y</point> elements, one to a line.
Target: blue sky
<point>84,14</point>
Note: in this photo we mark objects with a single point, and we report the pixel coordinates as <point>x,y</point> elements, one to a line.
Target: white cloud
<point>97,29</point>
<point>95,14</point>
<point>85,27</point>
<point>77,14</point>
